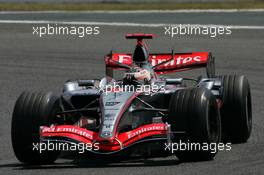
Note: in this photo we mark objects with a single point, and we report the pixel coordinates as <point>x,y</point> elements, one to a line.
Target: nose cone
<point>113,107</point>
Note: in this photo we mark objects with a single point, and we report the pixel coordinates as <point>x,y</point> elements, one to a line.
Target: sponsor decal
<point>180,59</point>
<point>107,126</point>
<point>142,130</point>
<point>176,61</point>
<point>124,58</point>
<point>70,129</point>
<point>109,117</point>
<point>111,103</point>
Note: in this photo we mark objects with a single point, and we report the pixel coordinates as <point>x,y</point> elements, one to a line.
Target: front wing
<point>121,141</point>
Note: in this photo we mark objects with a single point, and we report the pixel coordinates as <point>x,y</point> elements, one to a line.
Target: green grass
<point>127,6</point>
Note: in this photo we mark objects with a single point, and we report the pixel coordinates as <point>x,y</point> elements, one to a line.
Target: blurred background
<point>128,4</point>
<point>129,1</point>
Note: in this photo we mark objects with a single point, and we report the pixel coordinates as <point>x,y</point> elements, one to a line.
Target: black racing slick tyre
<point>194,119</point>
<point>31,111</point>
<point>236,111</point>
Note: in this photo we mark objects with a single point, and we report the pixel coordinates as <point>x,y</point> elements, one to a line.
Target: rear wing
<point>180,62</point>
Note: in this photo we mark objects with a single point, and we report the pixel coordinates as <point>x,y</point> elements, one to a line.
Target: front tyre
<point>195,112</point>
<point>31,111</point>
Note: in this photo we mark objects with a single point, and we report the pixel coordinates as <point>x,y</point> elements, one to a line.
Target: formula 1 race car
<point>142,113</point>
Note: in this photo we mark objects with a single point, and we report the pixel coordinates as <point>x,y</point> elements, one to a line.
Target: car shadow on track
<point>93,163</point>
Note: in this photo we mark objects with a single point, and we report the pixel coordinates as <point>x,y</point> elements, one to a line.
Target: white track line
<point>120,24</point>
<point>141,11</point>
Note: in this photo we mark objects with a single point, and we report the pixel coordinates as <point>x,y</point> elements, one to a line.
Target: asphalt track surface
<point>28,62</point>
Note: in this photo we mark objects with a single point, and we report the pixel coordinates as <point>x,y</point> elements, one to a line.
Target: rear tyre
<point>236,111</point>
<point>31,111</point>
<point>195,112</point>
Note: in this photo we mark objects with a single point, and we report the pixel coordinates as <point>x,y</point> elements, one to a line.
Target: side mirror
<point>103,83</point>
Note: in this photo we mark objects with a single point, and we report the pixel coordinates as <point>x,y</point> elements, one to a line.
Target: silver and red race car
<point>142,113</point>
